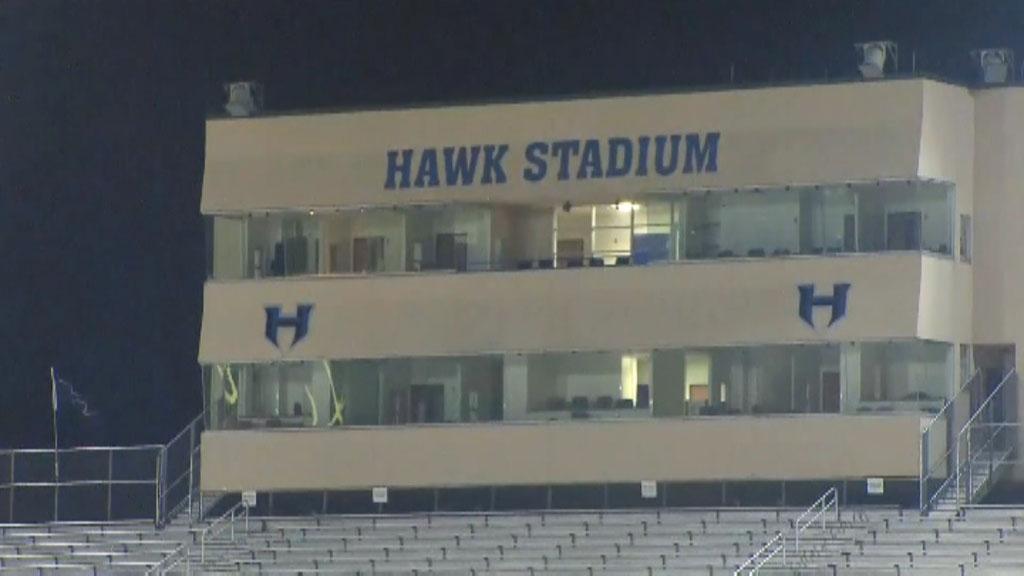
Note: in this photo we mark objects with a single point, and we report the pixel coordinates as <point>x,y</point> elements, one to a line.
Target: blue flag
<point>63,391</point>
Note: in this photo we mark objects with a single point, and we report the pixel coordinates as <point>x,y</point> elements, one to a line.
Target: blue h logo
<point>809,301</point>
<point>300,322</point>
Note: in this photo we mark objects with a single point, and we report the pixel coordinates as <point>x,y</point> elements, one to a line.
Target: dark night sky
<point>101,139</point>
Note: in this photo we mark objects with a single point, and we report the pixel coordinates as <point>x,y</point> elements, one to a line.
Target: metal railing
<point>942,468</point>
<point>183,557</point>
<point>183,553</point>
<point>225,522</point>
<point>771,549</point>
<point>180,480</point>
<point>981,435</point>
<point>778,543</point>
<point>94,483</point>
<point>817,510</point>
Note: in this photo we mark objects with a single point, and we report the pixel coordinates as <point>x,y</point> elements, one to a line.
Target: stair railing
<point>179,482</point>
<point>991,415</point>
<point>818,510</point>
<point>944,466</point>
<point>778,543</point>
<point>226,522</point>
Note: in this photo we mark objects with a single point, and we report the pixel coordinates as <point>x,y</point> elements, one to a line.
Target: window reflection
<point>754,223</point>
<point>849,378</point>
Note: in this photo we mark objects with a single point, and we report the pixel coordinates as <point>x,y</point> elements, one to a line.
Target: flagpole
<point>56,454</point>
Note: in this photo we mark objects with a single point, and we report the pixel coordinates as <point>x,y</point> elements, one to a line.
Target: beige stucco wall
<point>767,448</point>
<point>786,135</point>
<point>947,154</point>
<point>632,308</point>
<point>998,233</point>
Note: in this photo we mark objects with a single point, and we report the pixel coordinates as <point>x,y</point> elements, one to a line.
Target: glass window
<point>585,385</point>
<point>828,216</point>
<point>902,376</point>
<point>777,379</point>
<point>811,220</point>
<point>281,245</point>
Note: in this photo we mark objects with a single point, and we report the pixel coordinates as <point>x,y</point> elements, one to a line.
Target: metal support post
<point>191,463</point>
<point>110,483</point>
<point>156,490</point>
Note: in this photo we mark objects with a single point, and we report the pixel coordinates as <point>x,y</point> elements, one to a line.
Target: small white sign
<point>249,499</point>
<point>876,486</point>
<point>380,495</point>
<point>648,489</point>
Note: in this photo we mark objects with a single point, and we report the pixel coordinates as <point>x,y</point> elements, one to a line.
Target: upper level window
<point>752,223</point>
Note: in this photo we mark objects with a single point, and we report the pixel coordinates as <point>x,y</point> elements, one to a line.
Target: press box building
<point>762,287</point>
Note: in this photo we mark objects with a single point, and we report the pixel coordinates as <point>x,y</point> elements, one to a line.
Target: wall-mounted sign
<point>277,320</point>
<point>876,486</point>
<point>836,302</point>
<point>648,489</point>
<point>249,499</point>
<point>571,159</point>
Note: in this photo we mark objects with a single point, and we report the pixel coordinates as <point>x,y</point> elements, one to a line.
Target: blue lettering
<point>402,169</point>
<point>460,170</point>
<point>563,150</point>
<point>620,157</point>
<point>427,174</point>
<point>493,170</point>
<point>535,153</point>
<point>590,161</point>
<point>666,168</point>
<point>701,158</point>
<point>641,157</point>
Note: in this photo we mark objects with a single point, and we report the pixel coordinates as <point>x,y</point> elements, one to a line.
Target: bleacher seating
<point>88,548</point>
<point>642,542</point>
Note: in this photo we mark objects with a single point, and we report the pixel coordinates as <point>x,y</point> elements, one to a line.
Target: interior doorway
<point>368,254</point>
<point>903,231</point>
<point>426,403</point>
<point>451,251</point>
<point>831,394</point>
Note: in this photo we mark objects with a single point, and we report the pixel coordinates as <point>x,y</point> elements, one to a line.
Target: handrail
<point>187,428</point>
<point>926,467</point>
<point>778,543</point>
<point>164,467</point>
<point>827,500</point>
<point>769,550</point>
<point>962,467</point>
<point>178,479</point>
<point>217,526</point>
<point>945,407</point>
<point>82,449</point>
<point>172,560</point>
<point>1011,373</point>
<point>967,384</point>
<point>1010,376</point>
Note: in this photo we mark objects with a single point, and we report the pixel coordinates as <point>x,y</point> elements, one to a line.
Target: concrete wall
<point>610,309</point>
<point>998,234</point>
<point>778,448</point>
<point>770,136</point>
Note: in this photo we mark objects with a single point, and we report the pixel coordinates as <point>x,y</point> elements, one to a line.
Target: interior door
<point>426,402</point>
<point>569,250</point>
<point>830,394</point>
<point>904,231</point>
<point>849,233</point>
<point>368,254</point>
<point>451,251</point>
